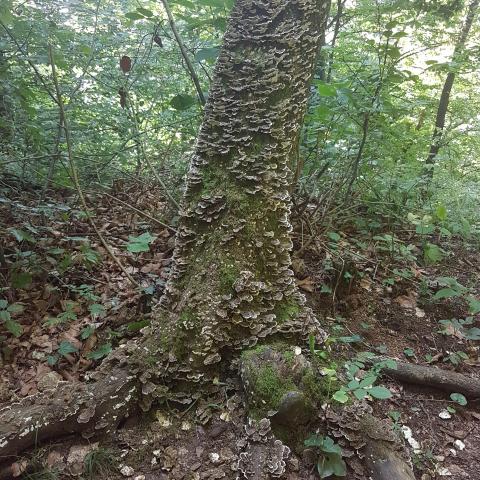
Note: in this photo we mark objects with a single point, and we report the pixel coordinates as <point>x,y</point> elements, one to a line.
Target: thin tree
<point>443,104</point>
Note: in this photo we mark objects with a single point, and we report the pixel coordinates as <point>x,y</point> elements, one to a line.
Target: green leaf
<point>326,89</point>
<point>331,464</point>
<point>447,293</point>
<point>15,308</point>
<point>182,101</point>
<point>340,396</point>
<point>145,12</point>
<point>136,326</point>
<point>209,54</point>
<point>432,253</point>
<point>3,304</point>
<point>97,310</point>
<point>314,441</point>
<point>66,347</point>
<point>140,243</point>
<point>334,236</point>
<point>21,279</point>
<point>459,398</point>
<point>473,305</point>
<point>14,327</point>
<point>101,352</point>
<point>21,235</point>
<point>52,360</point>
<point>360,393</point>
<point>472,333</point>
<point>441,212</point>
<point>87,332</point>
<point>380,392</point>
<point>134,16</point>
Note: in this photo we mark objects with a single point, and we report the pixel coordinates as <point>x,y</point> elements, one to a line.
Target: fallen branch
<point>435,377</point>
<point>65,409</point>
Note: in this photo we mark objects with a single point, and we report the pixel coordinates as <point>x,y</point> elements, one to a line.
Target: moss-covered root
<point>278,384</point>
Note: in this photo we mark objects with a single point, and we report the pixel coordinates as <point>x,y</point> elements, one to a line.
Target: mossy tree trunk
<point>231,282</point>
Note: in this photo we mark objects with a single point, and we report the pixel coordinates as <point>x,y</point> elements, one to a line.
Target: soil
<point>353,289</point>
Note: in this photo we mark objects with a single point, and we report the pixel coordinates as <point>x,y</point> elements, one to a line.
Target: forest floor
<point>69,305</point>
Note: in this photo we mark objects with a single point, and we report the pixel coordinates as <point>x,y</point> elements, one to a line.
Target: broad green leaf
<point>441,212</point>
<point>14,327</point>
<point>334,236</point>
<point>87,332</point>
<point>145,12</point>
<point>3,304</point>
<point>134,16</point>
<point>473,305</point>
<point>360,393</point>
<point>432,253</point>
<point>136,326</point>
<point>101,352</point>
<point>209,54</point>
<point>15,308</point>
<point>182,101</point>
<point>140,243</point>
<point>97,310</point>
<point>447,293</point>
<point>459,398</point>
<point>326,89</point>
<point>340,396</point>
<point>331,464</point>
<point>380,392</point>
<point>66,347</point>
<point>314,441</point>
<point>21,235</point>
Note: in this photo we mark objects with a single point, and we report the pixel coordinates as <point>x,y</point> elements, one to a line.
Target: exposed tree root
<point>69,408</point>
<point>436,378</point>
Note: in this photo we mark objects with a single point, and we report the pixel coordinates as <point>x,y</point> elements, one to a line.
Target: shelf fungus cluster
<point>232,282</point>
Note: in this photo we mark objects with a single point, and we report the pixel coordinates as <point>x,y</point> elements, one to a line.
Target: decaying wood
<point>435,377</point>
<point>68,408</point>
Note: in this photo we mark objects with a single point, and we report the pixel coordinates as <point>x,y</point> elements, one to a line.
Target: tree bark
<point>231,283</point>
<point>446,92</point>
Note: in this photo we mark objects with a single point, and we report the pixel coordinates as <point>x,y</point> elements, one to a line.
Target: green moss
<point>269,387</point>
<point>228,273</point>
<point>287,310</point>
<point>315,387</point>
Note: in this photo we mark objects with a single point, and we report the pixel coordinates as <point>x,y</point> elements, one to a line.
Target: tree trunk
<point>231,283</point>
<point>446,91</point>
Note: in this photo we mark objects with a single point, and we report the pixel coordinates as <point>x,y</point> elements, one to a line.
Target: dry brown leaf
<point>306,284</point>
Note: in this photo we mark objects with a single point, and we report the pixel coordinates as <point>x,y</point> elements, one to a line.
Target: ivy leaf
<point>380,392</point>
<point>459,398</point>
